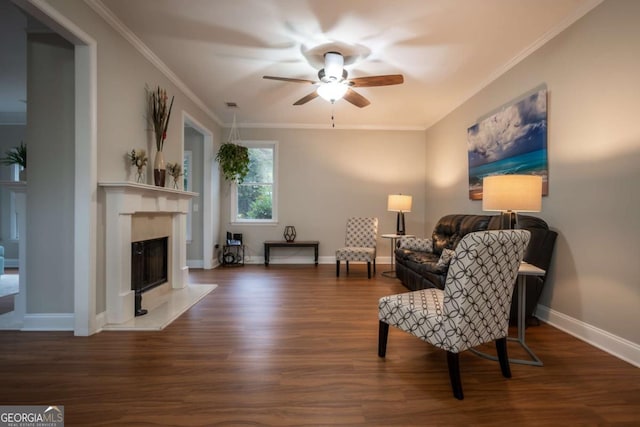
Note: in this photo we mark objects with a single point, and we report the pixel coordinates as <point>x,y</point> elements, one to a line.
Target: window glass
<point>255,199</point>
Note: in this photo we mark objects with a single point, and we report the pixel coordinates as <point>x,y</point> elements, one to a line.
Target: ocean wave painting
<point>511,141</point>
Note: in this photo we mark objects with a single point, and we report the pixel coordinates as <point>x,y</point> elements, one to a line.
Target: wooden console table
<point>295,244</point>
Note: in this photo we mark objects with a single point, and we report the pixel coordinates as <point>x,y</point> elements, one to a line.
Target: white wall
<point>592,71</point>
<point>51,174</point>
<point>123,73</point>
<point>326,176</point>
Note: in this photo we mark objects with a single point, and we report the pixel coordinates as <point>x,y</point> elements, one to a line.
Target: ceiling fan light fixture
<point>332,91</point>
<point>333,64</point>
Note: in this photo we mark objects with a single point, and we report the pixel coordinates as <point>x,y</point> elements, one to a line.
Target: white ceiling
<point>447,50</point>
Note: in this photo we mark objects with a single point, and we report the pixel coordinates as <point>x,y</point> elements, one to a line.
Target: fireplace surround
<point>125,201</point>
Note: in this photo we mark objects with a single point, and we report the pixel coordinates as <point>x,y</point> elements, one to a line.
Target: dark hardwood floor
<point>294,345</point>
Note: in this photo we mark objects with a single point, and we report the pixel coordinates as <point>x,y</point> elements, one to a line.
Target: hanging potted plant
<point>17,156</point>
<point>234,161</point>
<point>233,158</point>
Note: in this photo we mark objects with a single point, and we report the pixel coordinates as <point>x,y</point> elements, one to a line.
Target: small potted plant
<point>175,172</point>
<point>17,156</point>
<point>138,158</point>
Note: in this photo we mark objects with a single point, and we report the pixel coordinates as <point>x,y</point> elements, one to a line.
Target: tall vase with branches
<point>160,111</point>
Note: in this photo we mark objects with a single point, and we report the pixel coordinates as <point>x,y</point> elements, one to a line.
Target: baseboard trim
<point>619,347</point>
<point>48,322</point>
<point>101,320</point>
<point>195,263</point>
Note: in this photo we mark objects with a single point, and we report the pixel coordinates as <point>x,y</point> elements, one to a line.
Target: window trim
<point>274,196</point>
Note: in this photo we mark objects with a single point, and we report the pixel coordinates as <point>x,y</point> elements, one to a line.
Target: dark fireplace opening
<point>149,261</point>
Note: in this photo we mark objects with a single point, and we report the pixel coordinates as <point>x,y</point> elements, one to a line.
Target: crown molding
<point>101,9</point>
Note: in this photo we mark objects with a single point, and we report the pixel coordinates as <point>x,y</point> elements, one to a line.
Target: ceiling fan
<point>333,83</point>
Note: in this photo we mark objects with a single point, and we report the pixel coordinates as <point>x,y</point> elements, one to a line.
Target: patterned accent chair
<point>360,244</point>
<point>472,309</point>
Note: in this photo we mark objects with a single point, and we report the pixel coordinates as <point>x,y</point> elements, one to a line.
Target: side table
<point>525,269</point>
<point>232,255</point>
<point>392,273</point>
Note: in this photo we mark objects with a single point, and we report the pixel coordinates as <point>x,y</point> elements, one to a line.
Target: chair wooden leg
<point>368,270</point>
<point>347,266</point>
<point>374,266</point>
<point>453,361</point>
<point>503,357</point>
<point>337,268</point>
<point>383,333</point>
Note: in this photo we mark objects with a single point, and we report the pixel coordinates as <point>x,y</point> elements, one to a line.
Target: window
<point>15,172</point>
<point>186,185</point>
<point>14,226</point>
<point>254,201</point>
<point>15,233</point>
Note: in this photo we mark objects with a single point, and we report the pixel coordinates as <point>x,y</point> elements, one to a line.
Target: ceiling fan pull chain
<point>333,123</point>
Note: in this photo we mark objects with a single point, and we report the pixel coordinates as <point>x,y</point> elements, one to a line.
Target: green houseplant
<point>16,156</point>
<point>234,161</point>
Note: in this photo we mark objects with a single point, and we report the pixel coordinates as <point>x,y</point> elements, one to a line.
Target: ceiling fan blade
<point>304,100</point>
<point>355,98</point>
<point>287,79</point>
<point>387,80</point>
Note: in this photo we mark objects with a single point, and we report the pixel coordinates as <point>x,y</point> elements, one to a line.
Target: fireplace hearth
<point>149,265</point>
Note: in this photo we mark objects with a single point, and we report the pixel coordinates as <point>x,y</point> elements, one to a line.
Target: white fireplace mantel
<point>122,201</point>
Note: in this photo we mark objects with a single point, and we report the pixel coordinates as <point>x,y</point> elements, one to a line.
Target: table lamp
<point>511,194</point>
<point>399,203</point>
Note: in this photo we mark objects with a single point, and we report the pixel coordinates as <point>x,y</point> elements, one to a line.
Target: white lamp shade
<point>517,193</point>
<point>399,203</point>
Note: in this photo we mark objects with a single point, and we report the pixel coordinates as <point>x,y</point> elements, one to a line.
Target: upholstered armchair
<point>360,244</point>
<point>472,309</point>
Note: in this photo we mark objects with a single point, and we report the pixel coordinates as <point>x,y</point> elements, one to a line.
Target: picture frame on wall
<point>512,140</point>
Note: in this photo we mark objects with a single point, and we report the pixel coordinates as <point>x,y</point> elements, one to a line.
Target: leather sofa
<point>423,263</point>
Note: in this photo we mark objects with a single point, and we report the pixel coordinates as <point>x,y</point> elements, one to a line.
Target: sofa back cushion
<point>415,244</point>
<point>452,228</point>
<point>525,222</point>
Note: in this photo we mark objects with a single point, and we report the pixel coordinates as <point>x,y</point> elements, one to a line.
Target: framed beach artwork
<point>510,141</point>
